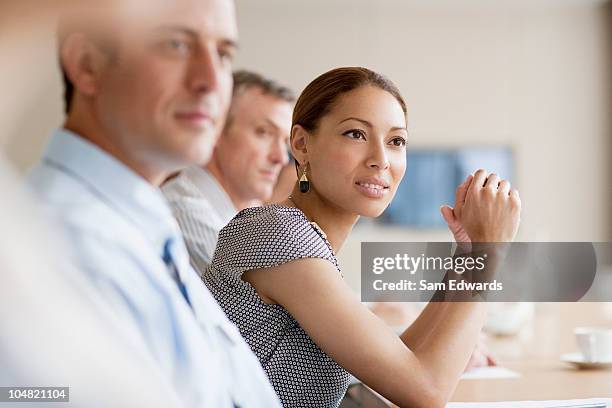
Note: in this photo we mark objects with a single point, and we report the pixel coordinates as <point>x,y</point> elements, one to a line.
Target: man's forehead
<point>255,100</point>
<point>207,17</point>
<point>204,18</point>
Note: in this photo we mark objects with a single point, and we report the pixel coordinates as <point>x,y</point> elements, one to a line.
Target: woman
<point>275,273</point>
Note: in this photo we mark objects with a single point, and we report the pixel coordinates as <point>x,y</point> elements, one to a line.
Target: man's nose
<point>205,70</point>
<point>279,153</point>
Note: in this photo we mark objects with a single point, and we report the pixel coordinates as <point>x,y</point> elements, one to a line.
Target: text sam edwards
<point>452,284</point>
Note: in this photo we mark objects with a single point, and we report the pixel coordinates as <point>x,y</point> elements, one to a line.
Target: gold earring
<point>304,183</point>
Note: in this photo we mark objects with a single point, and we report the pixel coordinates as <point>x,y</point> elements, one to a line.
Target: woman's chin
<point>372,211</point>
<point>368,207</point>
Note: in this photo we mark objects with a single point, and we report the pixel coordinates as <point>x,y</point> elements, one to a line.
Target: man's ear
<point>299,143</point>
<point>83,62</point>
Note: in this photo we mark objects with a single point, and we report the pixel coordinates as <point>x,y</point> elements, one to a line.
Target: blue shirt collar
<point>117,185</point>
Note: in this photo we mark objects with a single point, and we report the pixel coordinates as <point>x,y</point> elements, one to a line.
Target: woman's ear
<point>299,144</point>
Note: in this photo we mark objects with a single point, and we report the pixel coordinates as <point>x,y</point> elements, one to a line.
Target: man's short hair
<point>64,27</point>
<point>244,80</point>
<point>68,90</point>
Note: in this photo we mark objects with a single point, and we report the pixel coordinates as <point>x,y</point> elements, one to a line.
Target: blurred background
<point>522,86</point>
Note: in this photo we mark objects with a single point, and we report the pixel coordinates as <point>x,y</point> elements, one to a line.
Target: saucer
<point>579,361</point>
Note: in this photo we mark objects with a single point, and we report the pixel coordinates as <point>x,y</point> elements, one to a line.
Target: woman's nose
<point>378,158</point>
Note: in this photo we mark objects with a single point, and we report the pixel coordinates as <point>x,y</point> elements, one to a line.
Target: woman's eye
<point>398,141</point>
<point>355,134</point>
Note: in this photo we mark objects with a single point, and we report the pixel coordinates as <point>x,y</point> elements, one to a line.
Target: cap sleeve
<point>269,236</point>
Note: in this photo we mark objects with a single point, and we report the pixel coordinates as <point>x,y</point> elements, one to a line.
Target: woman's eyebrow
<point>365,122</point>
<point>368,124</point>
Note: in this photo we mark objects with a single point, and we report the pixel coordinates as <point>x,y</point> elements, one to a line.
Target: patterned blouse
<point>260,237</point>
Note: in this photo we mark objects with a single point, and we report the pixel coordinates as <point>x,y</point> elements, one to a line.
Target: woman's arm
<point>314,293</point>
<point>420,330</point>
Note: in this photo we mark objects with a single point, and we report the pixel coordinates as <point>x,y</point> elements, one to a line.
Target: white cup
<point>595,343</point>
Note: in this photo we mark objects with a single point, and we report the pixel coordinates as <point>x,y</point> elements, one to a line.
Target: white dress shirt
<point>55,328</point>
<point>120,228</point>
<point>202,208</point>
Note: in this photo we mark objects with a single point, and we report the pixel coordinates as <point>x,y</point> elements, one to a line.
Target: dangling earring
<point>304,183</point>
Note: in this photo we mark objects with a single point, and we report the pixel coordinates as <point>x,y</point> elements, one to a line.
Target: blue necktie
<point>169,261</point>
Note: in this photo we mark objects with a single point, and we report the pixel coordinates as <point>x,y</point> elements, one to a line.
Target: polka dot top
<point>300,372</point>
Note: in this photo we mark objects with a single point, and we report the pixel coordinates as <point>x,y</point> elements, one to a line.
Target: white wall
<point>31,101</point>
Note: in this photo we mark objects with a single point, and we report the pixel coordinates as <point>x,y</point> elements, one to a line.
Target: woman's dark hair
<point>317,99</point>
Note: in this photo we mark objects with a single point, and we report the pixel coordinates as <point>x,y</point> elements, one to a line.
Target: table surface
<point>534,353</point>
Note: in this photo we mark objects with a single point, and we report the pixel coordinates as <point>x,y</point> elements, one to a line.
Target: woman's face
<point>357,155</point>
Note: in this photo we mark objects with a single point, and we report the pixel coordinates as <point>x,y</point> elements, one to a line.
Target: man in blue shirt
<point>147,94</point>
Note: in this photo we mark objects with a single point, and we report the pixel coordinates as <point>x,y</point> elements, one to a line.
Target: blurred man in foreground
<point>146,94</point>
<point>55,328</point>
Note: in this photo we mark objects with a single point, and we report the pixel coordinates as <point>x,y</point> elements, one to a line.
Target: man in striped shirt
<point>244,168</point>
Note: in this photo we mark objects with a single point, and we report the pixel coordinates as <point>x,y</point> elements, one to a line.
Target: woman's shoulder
<point>272,231</point>
<point>271,217</point>
<point>272,211</point>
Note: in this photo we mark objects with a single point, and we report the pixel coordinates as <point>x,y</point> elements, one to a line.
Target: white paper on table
<point>578,403</point>
<point>493,372</point>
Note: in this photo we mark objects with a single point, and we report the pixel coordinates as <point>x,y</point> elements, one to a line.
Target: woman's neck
<point>335,222</point>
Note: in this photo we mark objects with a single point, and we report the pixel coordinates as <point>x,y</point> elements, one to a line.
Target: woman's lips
<point>372,190</point>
